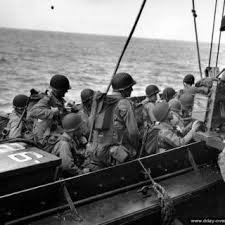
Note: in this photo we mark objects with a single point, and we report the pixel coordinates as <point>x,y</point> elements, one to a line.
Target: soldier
<point>50,109</point>
<point>190,88</point>
<point>85,111</point>
<point>188,83</point>
<point>168,94</point>
<point>13,130</point>
<point>175,112</point>
<point>66,146</point>
<point>86,99</point>
<point>124,120</point>
<point>186,101</point>
<point>167,136</point>
<point>116,135</point>
<point>149,103</point>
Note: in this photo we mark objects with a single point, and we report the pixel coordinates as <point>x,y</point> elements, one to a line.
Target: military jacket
<point>169,139</point>
<point>148,111</point>
<point>45,119</point>
<point>66,149</point>
<point>125,124</point>
<point>21,131</point>
<point>177,121</point>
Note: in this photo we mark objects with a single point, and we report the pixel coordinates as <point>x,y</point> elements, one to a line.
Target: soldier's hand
<point>86,170</point>
<point>71,105</point>
<point>195,126</point>
<point>55,111</point>
<point>83,140</point>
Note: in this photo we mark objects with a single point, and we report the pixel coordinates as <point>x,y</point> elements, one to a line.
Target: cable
<point>218,49</point>
<point>196,36</point>
<point>211,45</point>
<point>126,44</point>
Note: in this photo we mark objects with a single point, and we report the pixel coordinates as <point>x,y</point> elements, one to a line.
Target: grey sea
<point>29,58</point>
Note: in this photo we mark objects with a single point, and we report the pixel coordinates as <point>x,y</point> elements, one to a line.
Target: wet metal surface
<point>129,205</point>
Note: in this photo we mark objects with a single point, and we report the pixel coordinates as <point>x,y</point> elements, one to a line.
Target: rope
<point>214,18</point>
<point>166,203</point>
<point>196,36</point>
<point>218,49</point>
<point>126,44</point>
<point>144,140</point>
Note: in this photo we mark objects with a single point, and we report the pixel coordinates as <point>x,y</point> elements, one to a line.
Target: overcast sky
<point>167,19</point>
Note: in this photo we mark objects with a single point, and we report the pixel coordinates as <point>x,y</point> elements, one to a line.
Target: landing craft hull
<point>112,196</point>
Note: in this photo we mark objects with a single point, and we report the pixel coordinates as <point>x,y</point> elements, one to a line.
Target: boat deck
<point>130,206</point>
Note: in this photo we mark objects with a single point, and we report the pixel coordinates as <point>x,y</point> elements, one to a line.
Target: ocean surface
<point>29,58</point>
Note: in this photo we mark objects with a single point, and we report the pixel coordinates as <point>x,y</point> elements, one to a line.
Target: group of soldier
<point>104,130</point>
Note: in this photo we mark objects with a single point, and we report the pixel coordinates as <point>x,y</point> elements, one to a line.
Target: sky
<point>161,19</point>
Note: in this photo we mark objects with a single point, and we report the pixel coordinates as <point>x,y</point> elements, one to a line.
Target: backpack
<point>104,112</point>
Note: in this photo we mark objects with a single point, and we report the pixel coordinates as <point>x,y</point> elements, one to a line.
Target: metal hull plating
<point>112,195</point>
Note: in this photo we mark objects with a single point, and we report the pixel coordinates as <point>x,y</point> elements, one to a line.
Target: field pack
<point>104,112</point>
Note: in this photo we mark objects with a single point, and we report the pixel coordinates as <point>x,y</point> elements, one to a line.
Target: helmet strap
<point>126,92</point>
<point>58,93</point>
<point>152,98</point>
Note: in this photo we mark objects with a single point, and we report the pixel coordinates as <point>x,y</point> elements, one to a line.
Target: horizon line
<point>100,34</point>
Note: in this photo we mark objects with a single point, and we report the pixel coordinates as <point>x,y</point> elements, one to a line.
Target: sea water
<point>29,58</point>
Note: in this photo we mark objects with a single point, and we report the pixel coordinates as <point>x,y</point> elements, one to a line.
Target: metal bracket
<point>192,161</point>
<point>145,191</point>
<point>68,198</point>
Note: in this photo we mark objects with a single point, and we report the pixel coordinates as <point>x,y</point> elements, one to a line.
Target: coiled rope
<point>218,49</point>
<point>196,36</point>
<point>166,203</point>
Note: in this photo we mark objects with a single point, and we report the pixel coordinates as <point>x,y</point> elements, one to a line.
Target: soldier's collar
<point>67,136</point>
<point>166,124</point>
<point>56,98</point>
<point>117,94</point>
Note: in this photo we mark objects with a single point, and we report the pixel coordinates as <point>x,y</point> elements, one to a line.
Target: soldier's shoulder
<point>44,98</point>
<point>149,105</point>
<point>164,128</point>
<point>124,103</point>
<point>13,116</point>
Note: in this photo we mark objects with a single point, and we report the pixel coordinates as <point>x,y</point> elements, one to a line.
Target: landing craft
<point>182,185</point>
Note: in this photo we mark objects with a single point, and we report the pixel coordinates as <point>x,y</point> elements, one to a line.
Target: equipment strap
<point>66,193</point>
<point>192,161</point>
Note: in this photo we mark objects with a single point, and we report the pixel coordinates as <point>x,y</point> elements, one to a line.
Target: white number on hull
<point>24,157</point>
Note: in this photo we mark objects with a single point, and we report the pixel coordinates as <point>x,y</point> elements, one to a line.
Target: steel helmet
<point>122,81</point>
<point>60,82</point>
<point>71,122</point>
<point>161,111</point>
<point>168,93</point>
<point>189,79</point>
<point>151,90</point>
<point>175,105</point>
<point>86,95</point>
<point>20,101</point>
<point>186,100</point>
